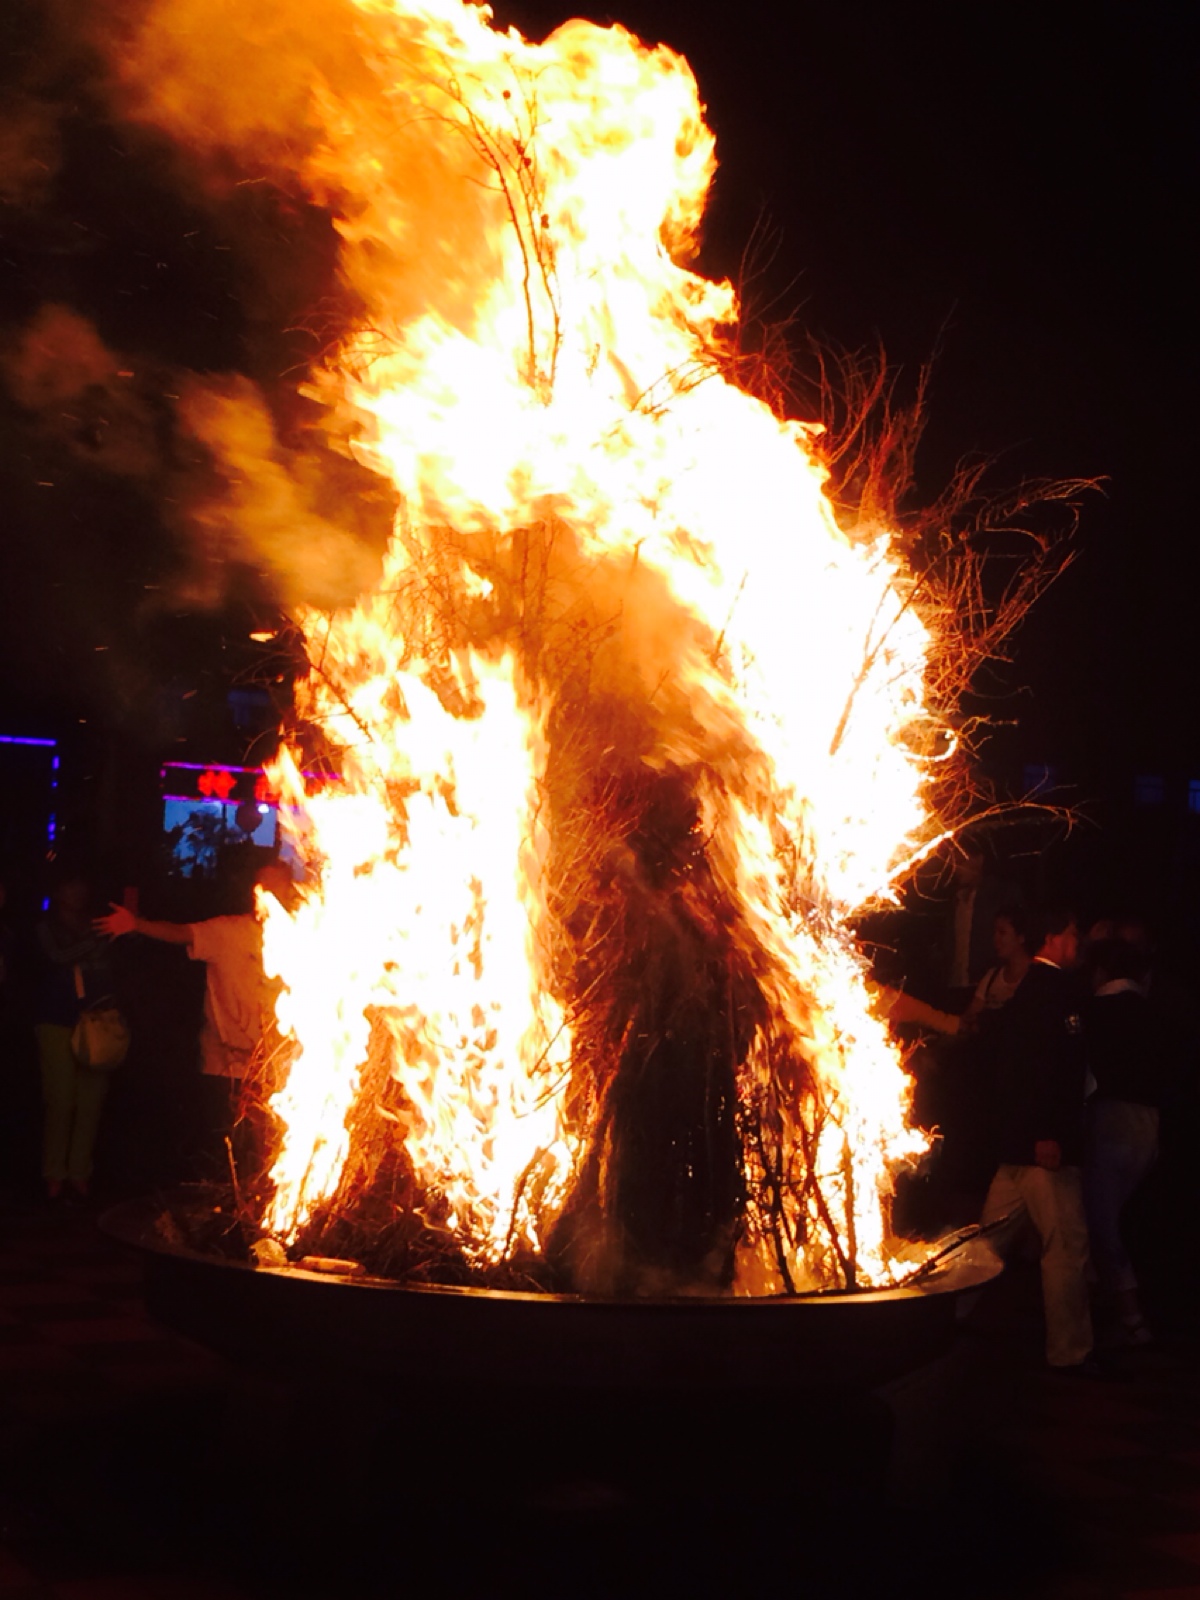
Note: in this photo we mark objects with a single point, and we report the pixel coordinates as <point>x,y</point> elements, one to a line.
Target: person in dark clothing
<point>18,1113</point>
<point>1040,1080</point>
<point>74,971</point>
<point>1127,1056</point>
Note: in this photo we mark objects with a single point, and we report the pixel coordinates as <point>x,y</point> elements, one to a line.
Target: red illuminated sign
<point>216,783</point>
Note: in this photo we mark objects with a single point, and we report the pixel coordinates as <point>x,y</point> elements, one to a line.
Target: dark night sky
<point>1018,176</point>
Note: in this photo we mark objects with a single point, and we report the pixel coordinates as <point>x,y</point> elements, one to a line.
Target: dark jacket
<point>1041,1069</point>
<point>1128,1050</point>
<point>60,952</point>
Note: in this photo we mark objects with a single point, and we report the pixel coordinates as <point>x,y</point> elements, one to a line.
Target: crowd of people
<point>67,977</point>
<point>1046,1073</point>
<point>1048,1085</point>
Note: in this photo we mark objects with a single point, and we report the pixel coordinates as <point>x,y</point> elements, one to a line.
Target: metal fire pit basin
<point>305,1323</point>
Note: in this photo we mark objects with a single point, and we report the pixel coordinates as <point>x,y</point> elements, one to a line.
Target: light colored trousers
<point>73,1097</point>
<point>1053,1202</point>
<point>1123,1146</point>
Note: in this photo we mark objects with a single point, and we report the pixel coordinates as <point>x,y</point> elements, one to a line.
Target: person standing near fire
<point>982,888</point>
<point>73,973</point>
<point>239,999</point>
<point>1041,1075</point>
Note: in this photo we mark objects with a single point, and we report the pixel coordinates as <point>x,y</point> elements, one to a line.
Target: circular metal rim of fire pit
<point>301,1322</point>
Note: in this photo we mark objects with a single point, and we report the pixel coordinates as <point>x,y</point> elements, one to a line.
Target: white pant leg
<point>1004,1197</point>
<point>1054,1201</point>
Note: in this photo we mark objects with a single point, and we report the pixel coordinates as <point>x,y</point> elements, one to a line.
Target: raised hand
<point>118,922</point>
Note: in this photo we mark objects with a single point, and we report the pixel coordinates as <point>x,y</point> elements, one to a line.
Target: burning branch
<point>511,157</point>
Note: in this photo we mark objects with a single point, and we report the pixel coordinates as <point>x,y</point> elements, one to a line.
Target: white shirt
<point>994,990</point>
<point>238,1000</point>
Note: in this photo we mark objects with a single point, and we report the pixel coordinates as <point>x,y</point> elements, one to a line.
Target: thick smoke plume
<point>83,396</point>
<point>164,304</point>
<point>264,504</point>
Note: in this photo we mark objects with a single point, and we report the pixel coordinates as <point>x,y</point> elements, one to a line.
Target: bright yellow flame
<point>403,923</point>
<point>535,375</point>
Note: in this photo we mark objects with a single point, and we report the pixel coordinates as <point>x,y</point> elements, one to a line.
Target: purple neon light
<point>202,766</point>
<point>221,766</point>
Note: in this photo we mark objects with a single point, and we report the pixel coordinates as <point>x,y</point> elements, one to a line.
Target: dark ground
<point>136,1466</point>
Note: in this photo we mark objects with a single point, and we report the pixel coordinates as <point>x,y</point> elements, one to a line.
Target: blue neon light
<point>52,817</point>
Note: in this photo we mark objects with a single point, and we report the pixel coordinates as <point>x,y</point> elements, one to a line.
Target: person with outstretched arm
<point>239,1000</point>
<point>1041,1084</point>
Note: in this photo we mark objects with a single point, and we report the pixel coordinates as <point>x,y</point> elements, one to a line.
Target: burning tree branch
<point>511,154</point>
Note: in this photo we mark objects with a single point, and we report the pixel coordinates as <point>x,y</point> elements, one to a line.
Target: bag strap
<point>79,989</point>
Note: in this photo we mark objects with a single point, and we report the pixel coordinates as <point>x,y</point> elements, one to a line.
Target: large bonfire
<point>627,730</point>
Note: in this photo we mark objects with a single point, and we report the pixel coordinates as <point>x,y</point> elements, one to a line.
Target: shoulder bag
<point>100,1039</point>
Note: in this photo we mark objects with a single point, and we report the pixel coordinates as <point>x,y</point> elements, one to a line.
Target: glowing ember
<point>627,729</point>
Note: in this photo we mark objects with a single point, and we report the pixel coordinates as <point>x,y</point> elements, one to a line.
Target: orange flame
<point>584,496</point>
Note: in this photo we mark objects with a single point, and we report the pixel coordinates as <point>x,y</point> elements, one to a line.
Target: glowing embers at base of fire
<point>416,945</point>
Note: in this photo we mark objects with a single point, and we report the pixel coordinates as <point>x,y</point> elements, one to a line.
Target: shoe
<point>1133,1335</point>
